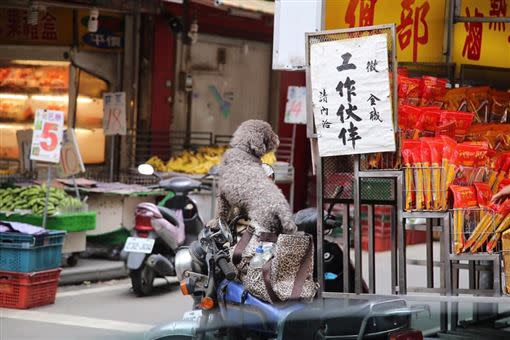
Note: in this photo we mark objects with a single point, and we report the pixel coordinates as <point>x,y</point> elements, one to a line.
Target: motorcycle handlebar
<point>227,268</point>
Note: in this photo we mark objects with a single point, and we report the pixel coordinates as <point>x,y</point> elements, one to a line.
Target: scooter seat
<point>180,184</point>
<point>168,215</point>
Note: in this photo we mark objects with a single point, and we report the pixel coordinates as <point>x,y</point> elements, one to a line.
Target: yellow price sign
<point>420,23</point>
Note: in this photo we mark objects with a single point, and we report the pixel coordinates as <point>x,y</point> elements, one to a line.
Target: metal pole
<point>46,199</point>
<point>371,250</point>
<point>320,233</point>
<point>358,274</point>
<point>451,16</point>
<point>346,221</point>
<point>77,192</point>
<point>112,156</point>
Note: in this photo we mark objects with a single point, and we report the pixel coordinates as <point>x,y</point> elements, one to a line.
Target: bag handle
<point>301,274</point>
<point>241,246</point>
<point>266,277</point>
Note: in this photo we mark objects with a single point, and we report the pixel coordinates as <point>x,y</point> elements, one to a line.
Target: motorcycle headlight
<point>183,262</point>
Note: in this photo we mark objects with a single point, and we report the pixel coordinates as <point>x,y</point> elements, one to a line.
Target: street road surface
<point>108,310</point>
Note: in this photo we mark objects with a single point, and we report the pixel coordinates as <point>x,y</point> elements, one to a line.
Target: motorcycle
<point>223,309</point>
<point>160,230</point>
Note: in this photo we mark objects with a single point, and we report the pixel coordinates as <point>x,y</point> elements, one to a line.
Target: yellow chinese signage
<point>54,27</point>
<point>109,35</point>
<point>420,23</point>
<point>485,44</point>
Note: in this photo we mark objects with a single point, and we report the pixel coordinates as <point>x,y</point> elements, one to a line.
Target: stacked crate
<point>29,268</point>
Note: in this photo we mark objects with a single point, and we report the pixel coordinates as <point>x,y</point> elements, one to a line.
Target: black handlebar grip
<point>227,268</point>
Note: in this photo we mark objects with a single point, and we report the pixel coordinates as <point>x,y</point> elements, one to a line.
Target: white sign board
<point>114,119</point>
<point>351,96</point>
<point>47,136</point>
<point>295,109</point>
<point>292,20</point>
<point>71,162</point>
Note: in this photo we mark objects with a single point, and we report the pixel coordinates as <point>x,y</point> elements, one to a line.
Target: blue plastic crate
<point>27,253</point>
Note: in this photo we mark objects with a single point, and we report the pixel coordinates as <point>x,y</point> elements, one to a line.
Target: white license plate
<point>193,315</point>
<point>139,245</point>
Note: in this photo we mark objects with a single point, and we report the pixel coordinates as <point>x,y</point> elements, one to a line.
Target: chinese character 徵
<point>49,27</point>
<point>372,99</point>
<point>324,110</point>
<point>349,86</point>
<point>473,42</point>
<point>366,12</point>
<point>349,113</point>
<point>413,26</point>
<point>371,66</point>
<point>498,9</point>
<point>345,63</point>
<point>374,115</point>
<point>323,97</point>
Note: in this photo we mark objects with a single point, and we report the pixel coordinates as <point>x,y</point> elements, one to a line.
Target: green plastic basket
<point>70,222</point>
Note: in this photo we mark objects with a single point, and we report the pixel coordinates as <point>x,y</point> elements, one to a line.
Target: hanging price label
<point>47,137</point>
<point>114,119</point>
<point>71,162</point>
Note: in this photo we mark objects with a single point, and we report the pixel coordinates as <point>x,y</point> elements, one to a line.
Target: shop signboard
<point>52,27</point>
<point>109,36</point>
<point>47,136</point>
<point>71,162</point>
<point>114,118</point>
<point>486,44</point>
<point>295,109</point>
<point>292,19</point>
<point>351,99</point>
<point>420,24</point>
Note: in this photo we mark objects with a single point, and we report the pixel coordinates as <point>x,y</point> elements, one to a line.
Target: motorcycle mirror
<point>146,169</point>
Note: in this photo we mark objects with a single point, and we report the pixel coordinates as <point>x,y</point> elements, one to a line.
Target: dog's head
<point>255,137</point>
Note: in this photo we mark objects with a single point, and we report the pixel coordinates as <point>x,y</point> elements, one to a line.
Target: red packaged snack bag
<point>479,102</point>
<point>408,117</point>
<point>448,168</point>
<point>500,106</point>
<point>463,196</point>
<point>483,194</point>
<point>409,90</point>
<point>503,183</point>
<point>460,121</point>
<point>428,121</point>
<point>433,91</point>
<point>435,146</point>
<point>455,99</point>
<point>402,71</point>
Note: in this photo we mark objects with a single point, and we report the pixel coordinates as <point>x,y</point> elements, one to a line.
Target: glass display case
<point>29,85</point>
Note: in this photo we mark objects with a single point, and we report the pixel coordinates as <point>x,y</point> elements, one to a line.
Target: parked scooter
<point>160,230</point>
<point>223,309</point>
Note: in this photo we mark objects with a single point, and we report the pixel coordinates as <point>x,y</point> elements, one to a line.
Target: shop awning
<point>258,6</point>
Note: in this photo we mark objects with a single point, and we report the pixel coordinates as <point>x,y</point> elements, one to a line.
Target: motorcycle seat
<point>180,184</point>
<point>168,215</point>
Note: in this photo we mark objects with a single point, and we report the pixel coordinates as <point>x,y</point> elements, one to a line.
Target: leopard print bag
<point>288,275</point>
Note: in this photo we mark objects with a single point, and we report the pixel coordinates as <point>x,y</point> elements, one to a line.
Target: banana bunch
<point>33,198</point>
<point>198,162</point>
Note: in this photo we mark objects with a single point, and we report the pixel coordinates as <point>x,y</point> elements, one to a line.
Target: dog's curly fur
<point>244,185</point>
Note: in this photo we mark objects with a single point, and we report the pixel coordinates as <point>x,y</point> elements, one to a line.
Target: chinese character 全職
<point>323,97</point>
<point>473,42</point>
<point>372,99</point>
<point>498,9</point>
<point>345,63</point>
<point>374,115</point>
<point>371,66</point>
<point>409,26</point>
<point>349,86</point>
<point>324,110</point>
<point>366,12</point>
<point>349,113</point>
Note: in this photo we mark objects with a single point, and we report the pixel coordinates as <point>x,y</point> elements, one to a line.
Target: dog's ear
<point>258,143</point>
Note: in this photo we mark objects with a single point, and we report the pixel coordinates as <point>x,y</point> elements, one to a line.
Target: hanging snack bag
<point>427,175</point>
<point>498,224</point>
<point>409,90</point>
<point>505,242</point>
<point>428,121</point>
<point>448,150</point>
<point>407,157</point>
<point>455,99</point>
<point>408,118</point>
<point>500,106</point>
<point>433,91</point>
<point>479,102</point>
<point>460,122</point>
<point>463,198</point>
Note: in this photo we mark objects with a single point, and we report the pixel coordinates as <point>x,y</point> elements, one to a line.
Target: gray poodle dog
<point>243,184</point>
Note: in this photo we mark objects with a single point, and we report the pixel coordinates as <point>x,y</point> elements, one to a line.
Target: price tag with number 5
<point>47,137</point>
